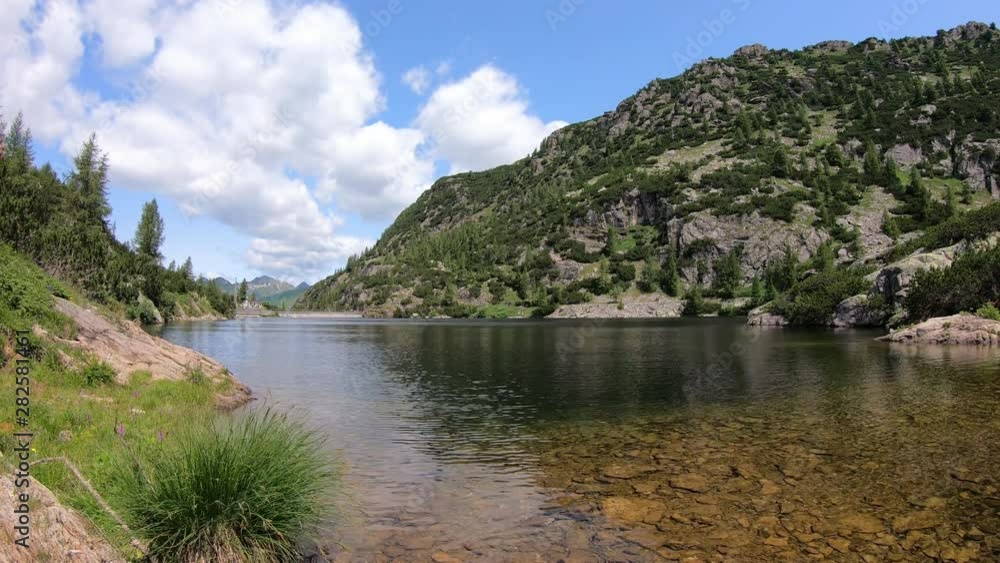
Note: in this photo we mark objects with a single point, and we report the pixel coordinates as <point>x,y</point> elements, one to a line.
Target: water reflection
<point>460,435</point>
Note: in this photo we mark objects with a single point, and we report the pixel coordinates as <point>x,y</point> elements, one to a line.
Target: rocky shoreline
<point>957,329</point>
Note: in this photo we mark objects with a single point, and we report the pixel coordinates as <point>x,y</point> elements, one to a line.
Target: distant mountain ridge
<point>264,288</point>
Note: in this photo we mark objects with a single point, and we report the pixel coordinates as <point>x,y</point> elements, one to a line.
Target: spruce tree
<point>90,180</point>
<point>149,232</point>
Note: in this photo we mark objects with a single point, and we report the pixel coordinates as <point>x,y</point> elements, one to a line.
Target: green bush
<point>989,311</point>
<point>196,376</point>
<point>972,279</point>
<point>543,311</point>
<point>97,373</point>
<point>243,490</point>
<point>143,311</point>
<point>813,301</point>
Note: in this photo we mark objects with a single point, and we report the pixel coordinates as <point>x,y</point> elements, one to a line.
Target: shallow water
<point>635,440</point>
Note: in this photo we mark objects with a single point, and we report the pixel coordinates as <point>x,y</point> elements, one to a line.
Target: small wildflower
<point>159,435</point>
<point>120,429</point>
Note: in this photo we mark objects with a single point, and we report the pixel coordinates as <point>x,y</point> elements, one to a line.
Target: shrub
<point>196,376</point>
<point>988,311</point>
<point>246,490</point>
<point>694,305</point>
<point>813,301</point>
<point>544,311</point>
<point>143,311</point>
<point>97,373</point>
<point>972,279</point>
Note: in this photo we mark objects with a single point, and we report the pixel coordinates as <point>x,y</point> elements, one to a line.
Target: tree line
<point>62,222</point>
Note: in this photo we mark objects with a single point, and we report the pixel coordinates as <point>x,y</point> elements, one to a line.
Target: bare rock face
<point>752,51</point>
<point>957,329</point>
<point>633,209</point>
<point>761,239</point>
<point>57,533</point>
<point>762,316</point>
<point>893,281</point>
<point>905,155</point>
<point>127,348</point>
<point>834,46</point>
<point>857,311</point>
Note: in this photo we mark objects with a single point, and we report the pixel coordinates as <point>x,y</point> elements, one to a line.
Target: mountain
<point>262,287</point>
<point>736,179</point>
<point>224,284</point>
<point>287,299</point>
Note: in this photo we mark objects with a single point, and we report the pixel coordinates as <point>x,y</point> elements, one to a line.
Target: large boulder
<point>859,311</point>
<point>893,281</point>
<point>762,316</point>
<point>957,329</point>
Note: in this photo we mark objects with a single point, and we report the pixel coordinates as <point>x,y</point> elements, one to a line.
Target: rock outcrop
<point>859,311</point>
<point>762,316</point>
<point>57,533</point>
<point>893,281</point>
<point>127,349</point>
<point>957,329</point>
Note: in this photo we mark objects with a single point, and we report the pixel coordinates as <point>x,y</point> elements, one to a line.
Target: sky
<point>281,136</point>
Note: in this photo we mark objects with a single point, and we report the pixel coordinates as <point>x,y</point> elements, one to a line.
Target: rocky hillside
<point>726,185</point>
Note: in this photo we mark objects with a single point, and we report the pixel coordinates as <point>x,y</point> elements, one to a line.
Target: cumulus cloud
<point>482,121</point>
<point>417,79</point>
<point>264,118</point>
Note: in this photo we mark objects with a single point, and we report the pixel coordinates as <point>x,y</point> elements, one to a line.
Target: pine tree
<point>756,293</point>
<point>90,180</point>
<point>873,165</point>
<point>149,232</point>
<point>19,157</point>
<point>241,294</point>
<point>671,283</point>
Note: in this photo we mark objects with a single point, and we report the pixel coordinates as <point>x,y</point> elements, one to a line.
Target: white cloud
<point>228,111</point>
<point>417,79</point>
<point>482,121</point>
<point>126,32</point>
<point>263,118</point>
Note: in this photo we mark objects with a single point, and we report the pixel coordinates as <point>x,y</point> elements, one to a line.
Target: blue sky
<point>350,113</point>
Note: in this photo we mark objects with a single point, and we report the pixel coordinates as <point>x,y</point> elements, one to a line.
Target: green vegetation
<point>188,480</point>
<point>727,139</point>
<point>812,302</point>
<point>972,280</point>
<point>241,490</point>
<point>989,311</point>
<point>63,225</point>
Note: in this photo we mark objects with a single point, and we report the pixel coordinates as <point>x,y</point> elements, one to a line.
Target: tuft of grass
<point>242,489</point>
<point>195,376</point>
<point>989,311</point>
<point>97,373</point>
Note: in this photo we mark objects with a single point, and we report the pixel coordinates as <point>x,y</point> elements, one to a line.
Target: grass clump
<point>97,373</point>
<point>196,376</point>
<point>243,490</point>
<point>989,312</point>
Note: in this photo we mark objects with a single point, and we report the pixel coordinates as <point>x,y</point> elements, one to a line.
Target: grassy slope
<point>61,401</point>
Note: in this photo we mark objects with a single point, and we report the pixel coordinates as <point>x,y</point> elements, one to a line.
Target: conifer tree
<point>149,232</point>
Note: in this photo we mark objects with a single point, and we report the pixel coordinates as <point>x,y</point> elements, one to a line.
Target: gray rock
<point>857,312</point>
<point>752,51</point>
<point>893,281</point>
<point>905,155</point>
<point>762,316</point>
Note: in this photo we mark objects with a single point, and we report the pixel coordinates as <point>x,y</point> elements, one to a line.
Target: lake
<point>634,440</point>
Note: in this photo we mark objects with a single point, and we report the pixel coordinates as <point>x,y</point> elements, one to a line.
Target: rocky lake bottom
<point>487,442</point>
